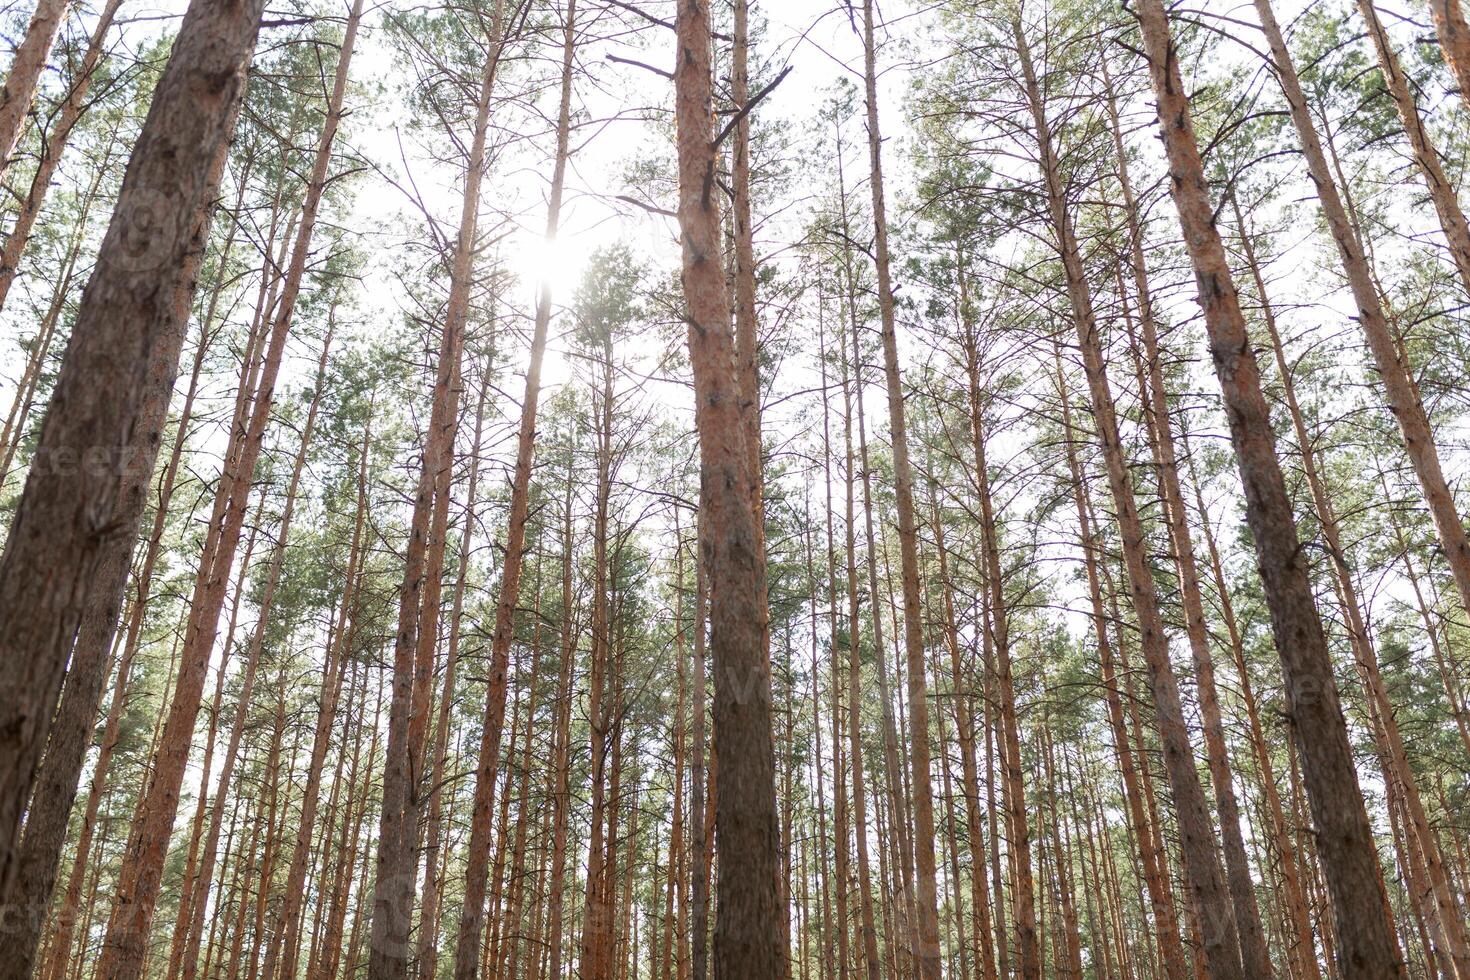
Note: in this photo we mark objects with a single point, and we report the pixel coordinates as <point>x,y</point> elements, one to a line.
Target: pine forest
<point>734,490</point>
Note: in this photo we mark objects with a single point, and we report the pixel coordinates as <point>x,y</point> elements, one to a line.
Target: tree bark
<point>748,916</point>
<point>924,943</point>
<point>1454,41</point>
<point>19,90</point>
<point>124,346</point>
<point>1368,946</point>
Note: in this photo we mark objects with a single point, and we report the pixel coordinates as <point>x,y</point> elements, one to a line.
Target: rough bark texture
<point>1454,41</point>
<point>1368,946</point>
<point>748,929</point>
<point>77,497</point>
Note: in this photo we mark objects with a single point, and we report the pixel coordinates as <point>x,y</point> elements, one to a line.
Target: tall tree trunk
<point>394,885</point>
<point>924,943</point>
<point>143,866</point>
<point>1398,386</point>
<point>1202,867</point>
<point>1436,900</point>
<point>1288,855</point>
<point>867,923</point>
<point>61,767</point>
<point>19,90</point>
<point>72,107</point>
<point>467,945</point>
<point>840,817</point>
<point>1421,145</point>
<point>699,805</point>
<point>1368,946</point>
<point>970,772</point>
<point>561,796</point>
<point>1151,851</point>
<point>428,940</point>
<point>748,916</point>
<point>997,636</point>
<point>195,896</point>
<point>82,491</point>
<point>1153,391</point>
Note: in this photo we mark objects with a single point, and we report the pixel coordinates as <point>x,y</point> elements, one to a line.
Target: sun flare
<point>555,262</point>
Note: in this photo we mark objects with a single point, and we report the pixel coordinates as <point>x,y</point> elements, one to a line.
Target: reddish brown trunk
<point>924,943</point>
<point>748,917</point>
<point>124,348</point>
<point>25,71</point>
<point>472,915</point>
<point>1151,853</point>
<point>1454,41</point>
<point>72,108</point>
<point>867,924</point>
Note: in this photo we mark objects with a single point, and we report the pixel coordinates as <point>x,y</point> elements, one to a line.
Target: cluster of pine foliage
<point>515,488</point>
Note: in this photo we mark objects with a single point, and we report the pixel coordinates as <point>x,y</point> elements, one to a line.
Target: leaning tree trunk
<point>1206,878</point>
<point>78,495</point>
<point>1150,850</point>
<point>1421,146</point>
<point>1368,946</point>
<point>25,71</point>
<point>71,111</point>
<point>1454,41</point>
<point>1398,385</point>
<point>748,916</point>
<point>143,864</point>
<point>1152,390</point>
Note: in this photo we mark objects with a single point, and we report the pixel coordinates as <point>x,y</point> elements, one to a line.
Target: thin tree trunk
<point>1221,942</point>
<point>26,67</point>
<point>471,921</point>
<point>1153,391</point>
<point>924,943</point>
<point>1287,853</point>
<point>970,772</point>
<point>1398,386</point>
<point>394,886</point>
<point>72,108</point>
<point>867,924</point>
<point>1151,851</point>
